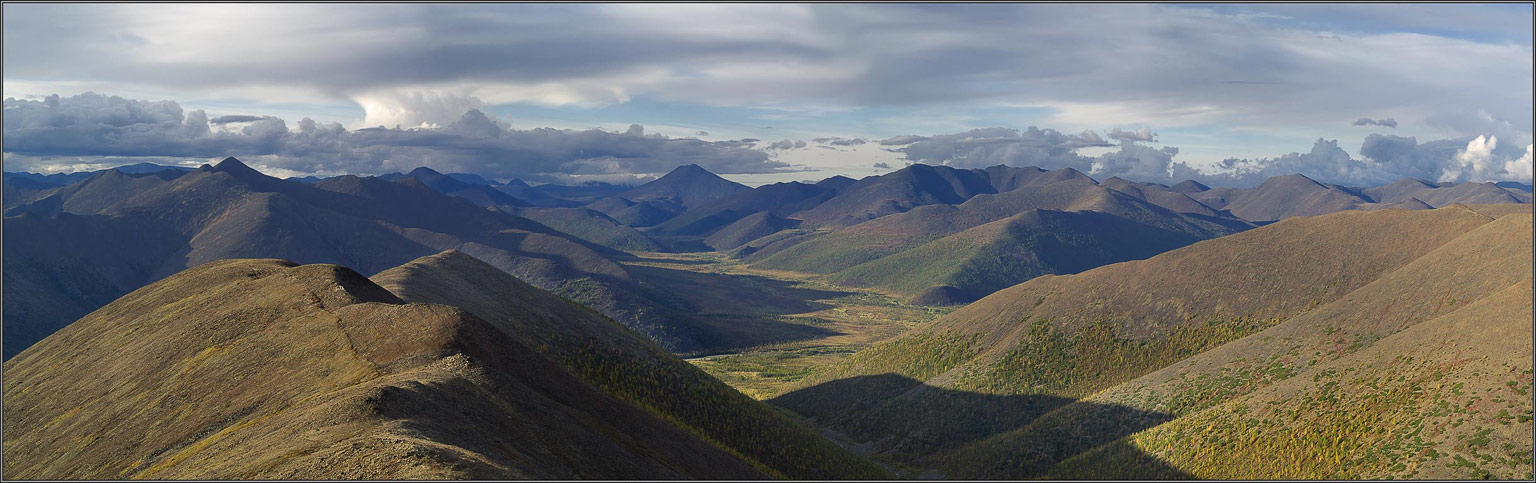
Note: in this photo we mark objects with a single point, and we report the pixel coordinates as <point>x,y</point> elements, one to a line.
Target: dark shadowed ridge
<point>378,389</point>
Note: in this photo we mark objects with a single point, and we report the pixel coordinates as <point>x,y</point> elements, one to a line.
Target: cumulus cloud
<point>1474,163</point>
<point>1384,158</point>
<point>1140,134</point>
<point>234,118</point>
<point>1520,169</point>
<point>1366,121</point>
<point>785,144</point>
<point>414,108</point>
<point>97,126</point>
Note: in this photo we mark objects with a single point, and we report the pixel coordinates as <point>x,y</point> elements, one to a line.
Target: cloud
<point>414,108</point>
<point>785,144</point>
<point>836,141</point>
<point>417,64</point>
<point>701,133</point>
<point>95,126</point>
<point>235,118</point>
<point>882,166</point>
<point>1520,169</point>
<point>1384,158</point>
<point>1366,121</point>
<point>902,140</point>
<point>1140,134</point>
<point>979,148</point>
<point>1474,163</point>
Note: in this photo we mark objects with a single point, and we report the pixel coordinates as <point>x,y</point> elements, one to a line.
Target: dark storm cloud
<point>91,125</point>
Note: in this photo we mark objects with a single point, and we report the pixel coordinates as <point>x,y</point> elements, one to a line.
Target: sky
<point>1359,94</point>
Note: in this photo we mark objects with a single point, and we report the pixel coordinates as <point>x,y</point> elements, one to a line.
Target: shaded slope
<point>617,360</point>
<point>778,199</point>
<point>217,369</point>
<point>479,194</point>
<point>591,225</point>
<point>746,229</point>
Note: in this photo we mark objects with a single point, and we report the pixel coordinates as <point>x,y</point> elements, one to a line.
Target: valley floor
<point>726,291</point>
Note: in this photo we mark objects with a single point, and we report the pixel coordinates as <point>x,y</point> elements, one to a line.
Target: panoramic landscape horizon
<point>1134,241</point>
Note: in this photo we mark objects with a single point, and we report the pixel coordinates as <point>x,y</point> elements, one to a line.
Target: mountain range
<point>170,323</point>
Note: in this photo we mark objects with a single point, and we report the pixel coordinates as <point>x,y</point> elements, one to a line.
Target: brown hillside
<point>259,369</point>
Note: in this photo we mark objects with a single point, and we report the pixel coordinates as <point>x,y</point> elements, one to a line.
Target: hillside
<point>232,211</point>
<point>1059,347</point>
<point>777,200</point>
<point>683,188</point>
<point>373,389</point>
<point>892,251</point>
<point>1437,196</point>
<point>590,225</point>
<point>1293,195</point>
<point>896,192</point>
<point>978,261</point>
<point>746,229</point>
<point>618,361</point>
<point>479,194</point>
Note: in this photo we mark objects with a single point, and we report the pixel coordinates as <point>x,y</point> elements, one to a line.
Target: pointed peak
<point>423,171</point>
<point>1189,186</point>
<point>233,166</point>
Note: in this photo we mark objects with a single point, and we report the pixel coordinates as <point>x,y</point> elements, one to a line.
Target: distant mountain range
<point>931,234</point>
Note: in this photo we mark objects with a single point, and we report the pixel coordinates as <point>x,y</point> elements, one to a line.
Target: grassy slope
<point>625,365</point>
<point>1464,270</point>
<point>1448,398</point>
<point>1113,324</point>
<point>1000,254</point>
<point>318,374</point>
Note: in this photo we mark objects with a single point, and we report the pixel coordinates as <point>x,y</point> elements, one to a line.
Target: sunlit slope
<point>260,369</point>
<point>1480,264</point>
<point>1056,339</point>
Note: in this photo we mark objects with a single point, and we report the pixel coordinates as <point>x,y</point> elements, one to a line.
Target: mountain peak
<point>423,171</point>
<point>1189,186</point>
<point>233,166</point>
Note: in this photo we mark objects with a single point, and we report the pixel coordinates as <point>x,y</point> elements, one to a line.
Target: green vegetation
<point>1051,361</point>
